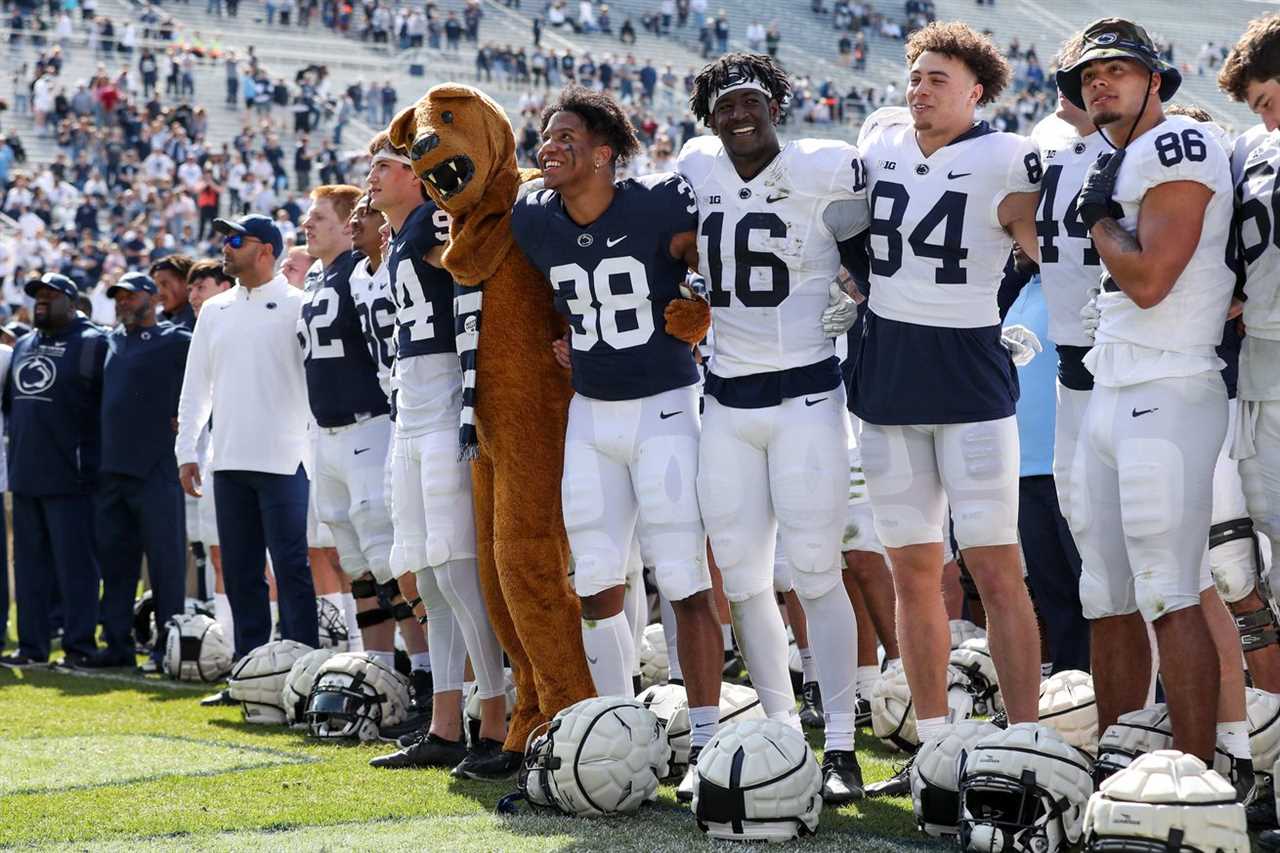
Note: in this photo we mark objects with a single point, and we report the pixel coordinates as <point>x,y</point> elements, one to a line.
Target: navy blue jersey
<point>141,383</point>
<point>613,279</point>
<point>423,294</point>
<point>184,317</point>
<point>53,400</point>
<point>342,378</point>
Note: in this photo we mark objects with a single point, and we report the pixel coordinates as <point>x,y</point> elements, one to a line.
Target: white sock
<point>791,718</point>
<point>867,678</point>
<point>763,643</point>
<point>459,583</point>
<point>610,649</point>
<point>702,724</point>
<point>807,664</point>
<point>669,632</point>
<point>356,639</point>
<point>634,607</point>
<point>1234,739</point>
<point>222,615</point>
<point>726,631</point>
<point>1046,669</point>
<point>932,728</point>
<point>275,615</point>
<point>833,639</point>
<point>387,659</point>
<point>466,689</point>
<point>839,731</point>
<point>418,660</point>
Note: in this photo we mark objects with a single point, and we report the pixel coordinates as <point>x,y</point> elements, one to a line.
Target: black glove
<point>1099,186</point>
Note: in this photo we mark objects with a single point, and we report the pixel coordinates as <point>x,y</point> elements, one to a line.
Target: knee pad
<point>369,618</point>
<point>1233,558</point>
<point>597,563</point>
<point>811,585</point>
<point>364,587</point>
<point>1257,629</point>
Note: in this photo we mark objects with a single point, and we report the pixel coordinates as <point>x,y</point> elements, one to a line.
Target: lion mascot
<point>516,398</point>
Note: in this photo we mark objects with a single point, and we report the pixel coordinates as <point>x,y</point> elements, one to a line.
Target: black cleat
<point>841,778</point>
<point>897,785</point>
<point>412,728</point>
<point>19,661</point>
<point>75,660</point>
<point>1269,841</point>
<point>487,761</point>
<point>222,697</point>
<point>430,751</point>
<point>1261,813</point>
<point>110,660</point>
<point>862,714</point>
<point>811,706</point>
<point>1242,777</point>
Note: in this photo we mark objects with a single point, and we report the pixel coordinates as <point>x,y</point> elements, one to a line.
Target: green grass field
<point>90,762</point>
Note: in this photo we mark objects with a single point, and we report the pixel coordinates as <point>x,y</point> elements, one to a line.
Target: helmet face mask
<point>354,696</point>
<point>341,712</point>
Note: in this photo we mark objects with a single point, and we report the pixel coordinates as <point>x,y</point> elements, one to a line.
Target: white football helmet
<point>471,705</point>
<point>935,777</point>
<point>298,684</point>
<point>354,695</point>
<point>1263,710</point>
<point>893,716</point>
<point>655,665</point>
<point>599,756</point>
<point>1024,789</point>
<point>1166,800</point>
<point>963,630</point>
<point>333,626</point>
<point>257,680</point>
<point>737,702</point>
<point>144,621</point>
<point>1067,704</point>
<point>1132,735</point>
<point>757,780</point>
<point>973,658</point>
<point>662,700</point>
<point>196,649</point>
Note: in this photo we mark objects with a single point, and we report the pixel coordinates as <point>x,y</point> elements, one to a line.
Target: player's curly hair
<point>758,66</point>
<point>1070,50</point>
<point>603,116</point>
<point>1256,56</point>
<point>963,42</point>
<point>1189,111</point>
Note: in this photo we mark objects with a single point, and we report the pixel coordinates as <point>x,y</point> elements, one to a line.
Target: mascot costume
<point>515,397</point>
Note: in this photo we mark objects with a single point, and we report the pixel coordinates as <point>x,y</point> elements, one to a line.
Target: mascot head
<point>460,142</point>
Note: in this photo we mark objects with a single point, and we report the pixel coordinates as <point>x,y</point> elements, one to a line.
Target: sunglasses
<point>235,241</point>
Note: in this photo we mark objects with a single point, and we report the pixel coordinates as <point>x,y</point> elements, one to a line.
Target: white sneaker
<point>684,791</point>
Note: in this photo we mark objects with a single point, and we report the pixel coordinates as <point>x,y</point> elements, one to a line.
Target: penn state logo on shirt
<point>585,240</point>
<point>35,375</point>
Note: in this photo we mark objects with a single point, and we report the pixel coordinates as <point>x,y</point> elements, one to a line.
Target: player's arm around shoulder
<point>689,317</point>
<point>1019,197</point>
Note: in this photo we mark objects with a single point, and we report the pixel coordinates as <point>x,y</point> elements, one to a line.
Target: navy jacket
<point>141,383</point>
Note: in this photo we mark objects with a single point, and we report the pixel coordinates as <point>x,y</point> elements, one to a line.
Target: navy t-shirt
<point>613,279</point>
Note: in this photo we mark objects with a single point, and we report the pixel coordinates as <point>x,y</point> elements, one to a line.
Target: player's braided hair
<point>758,66</point>
<point>603,116</point>
<point>1256,56</point>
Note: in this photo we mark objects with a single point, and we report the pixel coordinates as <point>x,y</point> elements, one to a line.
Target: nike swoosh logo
<point>953,175</point>
<point>665,415</point>
<point>772,198</point>
<point>362,450</point>
<point>1137,414</point>
<point>590,659</point>
<point>613,241</point>
<point>809,402</point>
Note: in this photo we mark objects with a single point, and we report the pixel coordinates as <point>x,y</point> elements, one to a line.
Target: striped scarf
<point>466,322</point>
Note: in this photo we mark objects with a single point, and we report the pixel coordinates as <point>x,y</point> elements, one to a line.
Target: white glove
<point>840,314</point>
<point>1090,315</point>
<point>1022,344</point>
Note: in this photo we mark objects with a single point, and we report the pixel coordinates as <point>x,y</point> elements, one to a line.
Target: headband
<point>385,154</point>
<point>740,83</point>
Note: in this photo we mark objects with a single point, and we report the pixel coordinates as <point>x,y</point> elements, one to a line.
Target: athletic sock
<point>387,659</point>
<point>932,728</point>
<point>1234,739</point>
<point>807,664</point>
<point>609,646</point>
<point>420,660</point>
<point>763,643</point>
<point>726,632</point>
<point>356,639</point>
<point>702,724</point>
<point>839,731</point>
<point>459,583</point>
<point>222,615</point>
<point>867,678</point>
<point>1046,669</point>
<point>275,615</point>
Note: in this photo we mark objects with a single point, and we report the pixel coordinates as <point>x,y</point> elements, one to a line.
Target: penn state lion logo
<point>35,375</point>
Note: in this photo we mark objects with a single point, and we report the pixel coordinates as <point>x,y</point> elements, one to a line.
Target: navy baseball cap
<point>53,281</point>
<point>136,282</point>
<point>254,225</point>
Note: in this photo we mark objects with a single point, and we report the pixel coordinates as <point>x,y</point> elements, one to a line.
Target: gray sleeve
<point>846,218</point>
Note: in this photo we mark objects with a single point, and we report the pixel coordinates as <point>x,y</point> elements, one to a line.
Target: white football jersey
<point>938,251</point>
<point>371,291</point>
<point>1255,167</point>
<point>1069,265</point>
<point>1178,336</point>
<point>767,248</point>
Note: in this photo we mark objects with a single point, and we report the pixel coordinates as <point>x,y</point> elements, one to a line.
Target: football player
<point>430,485</point>
<point>616,254</point>
<point>1156,418</point>
<point>1251,74</point>
<point>351,421</point>
<point>933,384</point>
<point>371,288</point>
<point>774,224</point>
